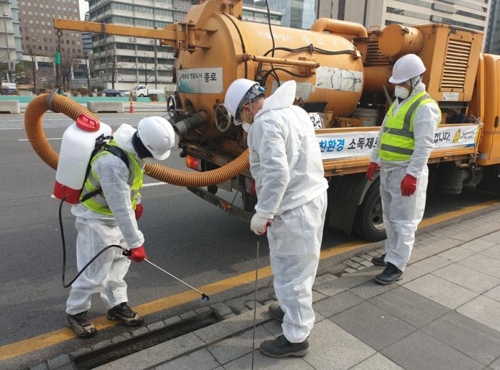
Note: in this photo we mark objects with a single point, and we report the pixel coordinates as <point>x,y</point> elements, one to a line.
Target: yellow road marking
<point>58,336</point>
<point>460,212</point>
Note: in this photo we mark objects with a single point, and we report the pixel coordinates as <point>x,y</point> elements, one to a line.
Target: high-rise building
<point>257,13</point>
<point>87,39</point>
<point>39,37</point>
<point>10,41</point>
<point>123,61</point>
<point>470,14</point>
<point>492,44</point>
<point>295,14</point>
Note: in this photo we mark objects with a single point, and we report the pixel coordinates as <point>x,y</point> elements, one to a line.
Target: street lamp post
<point>7,44</point>
<point>156,64</point>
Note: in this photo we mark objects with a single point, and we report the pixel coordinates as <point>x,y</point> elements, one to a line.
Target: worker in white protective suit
<point>285,161</point>
<point>404,144</point>
<point>107,214</point>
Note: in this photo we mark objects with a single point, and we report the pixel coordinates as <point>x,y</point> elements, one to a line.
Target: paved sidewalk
<point>444,314</point>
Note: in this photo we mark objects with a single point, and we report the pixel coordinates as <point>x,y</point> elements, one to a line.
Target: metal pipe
<point>282,61</point>
<point>7,44</point>
<point>156,63</point>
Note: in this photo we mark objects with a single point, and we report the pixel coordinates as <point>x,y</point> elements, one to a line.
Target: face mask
<point>246,126</point>
<point>401,92</point>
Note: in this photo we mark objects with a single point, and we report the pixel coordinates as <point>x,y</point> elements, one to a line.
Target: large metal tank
<point>229,48</point>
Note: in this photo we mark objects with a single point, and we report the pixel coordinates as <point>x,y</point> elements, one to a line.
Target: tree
<point>87,70</point>
<point>67,64</point>
<point>147,60</point>
<point>34,69</point>
<point>112,63</point>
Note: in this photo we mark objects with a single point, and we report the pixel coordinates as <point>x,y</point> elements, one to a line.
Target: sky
<point>84,7</point>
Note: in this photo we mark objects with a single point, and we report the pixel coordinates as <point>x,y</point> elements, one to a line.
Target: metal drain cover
<point>115,351</point>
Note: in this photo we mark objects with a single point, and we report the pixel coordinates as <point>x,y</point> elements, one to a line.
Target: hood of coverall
<point>283,97</point>
<point>123,138</point>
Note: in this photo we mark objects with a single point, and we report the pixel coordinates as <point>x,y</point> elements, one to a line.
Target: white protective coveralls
<point>402,214</point>
<point>285,161</point>
<point>96,231</point>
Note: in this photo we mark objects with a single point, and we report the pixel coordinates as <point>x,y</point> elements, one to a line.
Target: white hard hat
<point>405,68</point>
<point>157,135</point>
<point>236,93</point>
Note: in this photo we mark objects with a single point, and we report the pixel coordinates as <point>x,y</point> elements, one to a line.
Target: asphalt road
<point>184,235</point>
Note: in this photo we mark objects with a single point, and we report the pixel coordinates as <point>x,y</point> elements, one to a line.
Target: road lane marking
<point>48,139</point>
<point>154,184</point>
<point>58,336</point>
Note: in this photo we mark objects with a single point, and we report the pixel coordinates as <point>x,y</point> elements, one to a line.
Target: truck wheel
<point>369,223</point>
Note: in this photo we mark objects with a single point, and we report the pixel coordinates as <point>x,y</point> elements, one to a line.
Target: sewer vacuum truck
<point>342,73</point>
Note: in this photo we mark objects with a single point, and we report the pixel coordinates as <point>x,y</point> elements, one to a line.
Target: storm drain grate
<point>127,347</point>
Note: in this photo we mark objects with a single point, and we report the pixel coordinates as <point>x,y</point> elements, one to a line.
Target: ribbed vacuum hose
<point>36,136</point>
<point>33,123</point>
<point>195,179</point>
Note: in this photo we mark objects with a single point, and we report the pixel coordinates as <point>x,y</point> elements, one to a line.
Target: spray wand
<point>127,252</point>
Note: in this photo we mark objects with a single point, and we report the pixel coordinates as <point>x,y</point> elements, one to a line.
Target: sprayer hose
<point>36,136</point>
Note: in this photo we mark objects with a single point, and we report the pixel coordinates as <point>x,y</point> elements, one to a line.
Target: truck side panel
<point>489,147</point>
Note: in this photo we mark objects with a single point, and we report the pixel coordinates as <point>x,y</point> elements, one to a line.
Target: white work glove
<point>259,224</point>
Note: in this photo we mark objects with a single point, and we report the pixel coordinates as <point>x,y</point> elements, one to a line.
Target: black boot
<point>82,326</point>
<point>276,312</point>
<point>281,347</point>
<point>124,313</point>
<point>379,261</point>
<point>389,275</point>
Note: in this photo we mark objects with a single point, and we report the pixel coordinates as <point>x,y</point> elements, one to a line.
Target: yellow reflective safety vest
<point>397,141</point>
<point>97,203</point>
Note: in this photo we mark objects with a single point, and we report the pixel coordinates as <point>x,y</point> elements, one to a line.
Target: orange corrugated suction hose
<point>195,179</point>
<point>36,136</point>
<point>33,123</point>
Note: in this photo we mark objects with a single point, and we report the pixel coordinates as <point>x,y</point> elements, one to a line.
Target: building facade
<point>492,44</point>
<point>10,44</point>
<point>87,39</point>
<point>294,13</point>
<point>470,14</point>
<point>256,13</point>
<point>122,62</point>
<point>37,30</point>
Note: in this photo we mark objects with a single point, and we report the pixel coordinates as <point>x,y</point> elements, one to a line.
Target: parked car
<point>125,93</point>
<point>111,92</point>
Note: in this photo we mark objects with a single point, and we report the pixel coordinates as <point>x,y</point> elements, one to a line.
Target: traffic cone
<point>131,109</point>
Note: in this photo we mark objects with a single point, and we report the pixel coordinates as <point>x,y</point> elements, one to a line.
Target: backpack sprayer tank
<point>78,143</point>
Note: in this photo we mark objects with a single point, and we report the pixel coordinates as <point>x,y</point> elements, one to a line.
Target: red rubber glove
<point>138,211</point>
<point>408,185</point>
<point>371,171</point>
<point>138,254</point>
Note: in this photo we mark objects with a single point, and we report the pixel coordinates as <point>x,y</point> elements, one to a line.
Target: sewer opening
<point>127,347</point>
